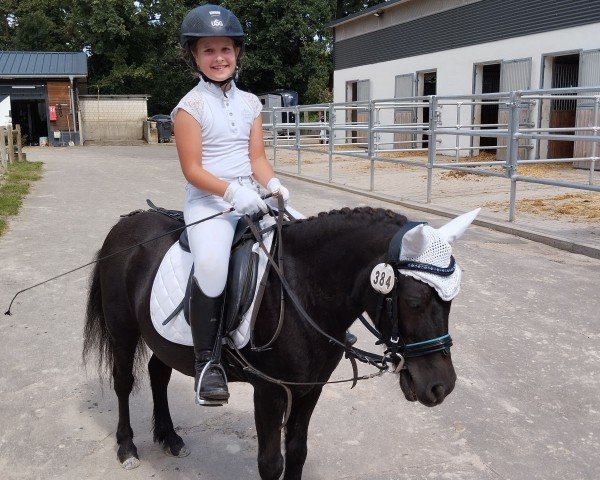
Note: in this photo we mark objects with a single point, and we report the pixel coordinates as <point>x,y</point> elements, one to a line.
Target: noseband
<point>398,349</point>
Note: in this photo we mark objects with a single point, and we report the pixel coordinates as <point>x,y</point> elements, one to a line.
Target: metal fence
<point>451,133</point>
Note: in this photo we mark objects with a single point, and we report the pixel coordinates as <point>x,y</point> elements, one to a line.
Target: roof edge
<point>11,77</point>
<point>369,11</point>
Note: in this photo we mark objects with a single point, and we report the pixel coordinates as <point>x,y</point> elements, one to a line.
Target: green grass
<point>14,185</point>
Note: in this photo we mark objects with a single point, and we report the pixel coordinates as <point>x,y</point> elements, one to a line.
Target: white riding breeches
<point>210,241</point>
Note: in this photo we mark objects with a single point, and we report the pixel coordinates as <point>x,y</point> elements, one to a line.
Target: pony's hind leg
<point>123,358</point>
<point>172,444</point>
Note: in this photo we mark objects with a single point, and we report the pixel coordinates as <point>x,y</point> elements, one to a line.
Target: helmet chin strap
<point>221,83</point>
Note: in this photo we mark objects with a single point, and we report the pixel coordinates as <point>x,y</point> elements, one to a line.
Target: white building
<point>402,48</point>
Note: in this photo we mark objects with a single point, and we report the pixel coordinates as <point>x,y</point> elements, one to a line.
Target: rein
<point>153,208</point>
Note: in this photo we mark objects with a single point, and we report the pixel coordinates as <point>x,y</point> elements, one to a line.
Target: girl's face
<point>216,57</point>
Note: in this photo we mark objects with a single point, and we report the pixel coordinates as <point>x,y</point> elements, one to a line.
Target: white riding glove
<point>244,200</point>
<point>276,188</point>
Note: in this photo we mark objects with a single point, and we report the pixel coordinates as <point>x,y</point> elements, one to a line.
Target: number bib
<point>382,278</point>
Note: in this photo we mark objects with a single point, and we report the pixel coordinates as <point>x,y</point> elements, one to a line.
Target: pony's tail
<point>96,338</point>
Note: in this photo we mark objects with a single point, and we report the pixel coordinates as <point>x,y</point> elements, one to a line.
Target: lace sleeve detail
<point>254,104</point>
<point>193,103</point>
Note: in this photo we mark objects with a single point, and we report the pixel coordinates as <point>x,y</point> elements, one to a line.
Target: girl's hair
<point>187,53</point>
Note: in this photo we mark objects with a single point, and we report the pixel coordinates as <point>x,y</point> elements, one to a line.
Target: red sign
<point>52,113</point>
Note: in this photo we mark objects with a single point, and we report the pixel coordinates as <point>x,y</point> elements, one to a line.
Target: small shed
<point>41,89</point>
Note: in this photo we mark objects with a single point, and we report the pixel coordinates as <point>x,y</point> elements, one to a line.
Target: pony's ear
<point>455,228</point>
<point>414,242</point>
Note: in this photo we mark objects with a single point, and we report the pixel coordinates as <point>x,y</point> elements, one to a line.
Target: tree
<point>287,46</point>
<point>348,7</point>
<point>133,45</point>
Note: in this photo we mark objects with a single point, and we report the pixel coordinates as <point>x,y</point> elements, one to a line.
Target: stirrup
<point>208,402</point>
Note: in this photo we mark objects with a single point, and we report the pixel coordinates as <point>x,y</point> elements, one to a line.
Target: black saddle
<point>242,274</point>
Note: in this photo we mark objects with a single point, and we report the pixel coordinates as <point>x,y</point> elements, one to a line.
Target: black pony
<point>328,263</point>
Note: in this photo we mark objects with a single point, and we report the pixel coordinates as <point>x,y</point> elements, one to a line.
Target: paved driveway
<point>526,328</point>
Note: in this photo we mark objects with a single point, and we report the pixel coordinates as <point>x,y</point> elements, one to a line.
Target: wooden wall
<point>58,94</point>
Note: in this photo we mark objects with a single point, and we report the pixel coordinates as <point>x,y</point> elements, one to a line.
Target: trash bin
<point>163,127</point>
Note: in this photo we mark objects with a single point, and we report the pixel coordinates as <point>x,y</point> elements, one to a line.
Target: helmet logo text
<point>216,23</point>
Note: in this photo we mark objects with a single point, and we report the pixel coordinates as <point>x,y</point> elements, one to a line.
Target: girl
<point>218,130</point>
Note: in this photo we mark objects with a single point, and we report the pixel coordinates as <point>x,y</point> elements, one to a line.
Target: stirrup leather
<point>208,402</point>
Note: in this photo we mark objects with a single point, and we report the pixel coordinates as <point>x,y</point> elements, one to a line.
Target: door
<point>426,86</point>
<point>565,70</point>
<point>363,89</point>
<point>514,75</point>
<point>404,88</point>
<point>589,75</point>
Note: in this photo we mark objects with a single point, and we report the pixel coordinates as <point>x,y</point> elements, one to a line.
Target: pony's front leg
<point>269,407</point>
<point>296,433</point>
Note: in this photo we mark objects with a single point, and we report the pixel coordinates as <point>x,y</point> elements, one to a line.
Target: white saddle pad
<point>169,288</point>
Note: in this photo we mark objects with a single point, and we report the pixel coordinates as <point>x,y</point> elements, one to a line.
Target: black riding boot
<point>205,320</point>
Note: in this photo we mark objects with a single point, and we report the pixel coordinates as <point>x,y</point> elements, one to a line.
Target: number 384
<point>381,279</point>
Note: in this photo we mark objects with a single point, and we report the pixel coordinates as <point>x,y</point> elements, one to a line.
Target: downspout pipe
<point>72,100</point>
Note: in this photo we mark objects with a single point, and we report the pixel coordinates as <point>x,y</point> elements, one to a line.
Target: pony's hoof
<point>131,463</point>
<point>184,451</point>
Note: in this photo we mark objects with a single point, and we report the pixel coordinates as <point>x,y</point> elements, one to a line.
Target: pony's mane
<point>349,217</point>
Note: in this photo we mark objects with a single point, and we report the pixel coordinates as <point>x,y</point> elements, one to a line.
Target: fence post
<point>11,145</point>
<point>458,127</point>
<point>370,145</point>
<point>432,144</point>
<point>595,143</point>
<point>513,150</point>
<point>331,136</point>
<point>297,138</point>
<point>3,156</point>
<point>19,144</point>
<point>274,127</point>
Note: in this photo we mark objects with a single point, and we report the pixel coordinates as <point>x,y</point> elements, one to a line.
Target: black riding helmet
<point>211,21</point>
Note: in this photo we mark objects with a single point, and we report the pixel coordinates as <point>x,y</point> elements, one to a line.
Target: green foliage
<point>15,186</point>
<point>287,46</point>
<point>133,45</point>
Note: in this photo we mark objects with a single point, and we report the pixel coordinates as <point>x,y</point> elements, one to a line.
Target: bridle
<point>398,350</point>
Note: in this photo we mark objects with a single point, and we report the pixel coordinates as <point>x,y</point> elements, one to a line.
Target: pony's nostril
<point>438,393</point>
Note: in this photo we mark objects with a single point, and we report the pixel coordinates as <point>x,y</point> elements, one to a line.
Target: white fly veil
<point>425,244</point>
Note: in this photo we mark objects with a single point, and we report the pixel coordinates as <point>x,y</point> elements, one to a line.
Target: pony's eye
<point>414,303</point>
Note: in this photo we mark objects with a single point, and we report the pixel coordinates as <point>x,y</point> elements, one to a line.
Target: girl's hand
<point>276,188</point>
<point>244,200</point>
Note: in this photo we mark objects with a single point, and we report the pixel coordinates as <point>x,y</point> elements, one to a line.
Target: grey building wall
<point>113,117</point>
<point>480,22</point>
<point>392,13</point>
